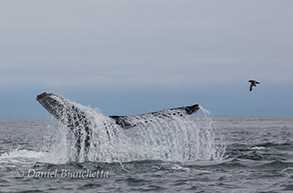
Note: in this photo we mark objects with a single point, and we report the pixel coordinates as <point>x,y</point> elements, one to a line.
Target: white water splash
<point>205,111</point>
<point>20,156</point>
<point>180,138</point>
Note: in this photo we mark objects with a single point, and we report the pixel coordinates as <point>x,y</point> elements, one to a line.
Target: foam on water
<point>20,156</point>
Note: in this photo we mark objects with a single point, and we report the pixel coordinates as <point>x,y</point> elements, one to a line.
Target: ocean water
<point>194,154</point>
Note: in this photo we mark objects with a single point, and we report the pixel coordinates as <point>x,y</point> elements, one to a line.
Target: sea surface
<point>218,154</point>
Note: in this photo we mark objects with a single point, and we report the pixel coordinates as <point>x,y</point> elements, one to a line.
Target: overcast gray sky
<point>147,45</point>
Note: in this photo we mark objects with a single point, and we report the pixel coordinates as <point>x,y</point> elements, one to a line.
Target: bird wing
<point>250,88</point>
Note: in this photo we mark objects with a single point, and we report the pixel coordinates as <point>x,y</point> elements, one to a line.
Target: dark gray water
<point>258,158</point>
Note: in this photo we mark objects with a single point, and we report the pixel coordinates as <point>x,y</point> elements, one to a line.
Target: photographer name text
<point>62,173</point>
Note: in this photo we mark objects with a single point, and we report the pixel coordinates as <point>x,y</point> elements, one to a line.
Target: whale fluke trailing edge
<point>71,115</point>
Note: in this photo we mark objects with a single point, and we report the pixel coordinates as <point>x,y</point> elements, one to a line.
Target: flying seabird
<point>253,83</point>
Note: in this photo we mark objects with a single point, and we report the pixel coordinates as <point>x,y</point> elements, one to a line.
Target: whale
<point>79,121</point>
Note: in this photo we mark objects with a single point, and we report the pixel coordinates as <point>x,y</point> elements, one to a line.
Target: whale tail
<point>71,115</point>
<point>127,122</point>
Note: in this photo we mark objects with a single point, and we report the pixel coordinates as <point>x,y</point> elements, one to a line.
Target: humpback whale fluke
<point>127,122</point>
<point>252,84</point>
<point>79,121</point>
